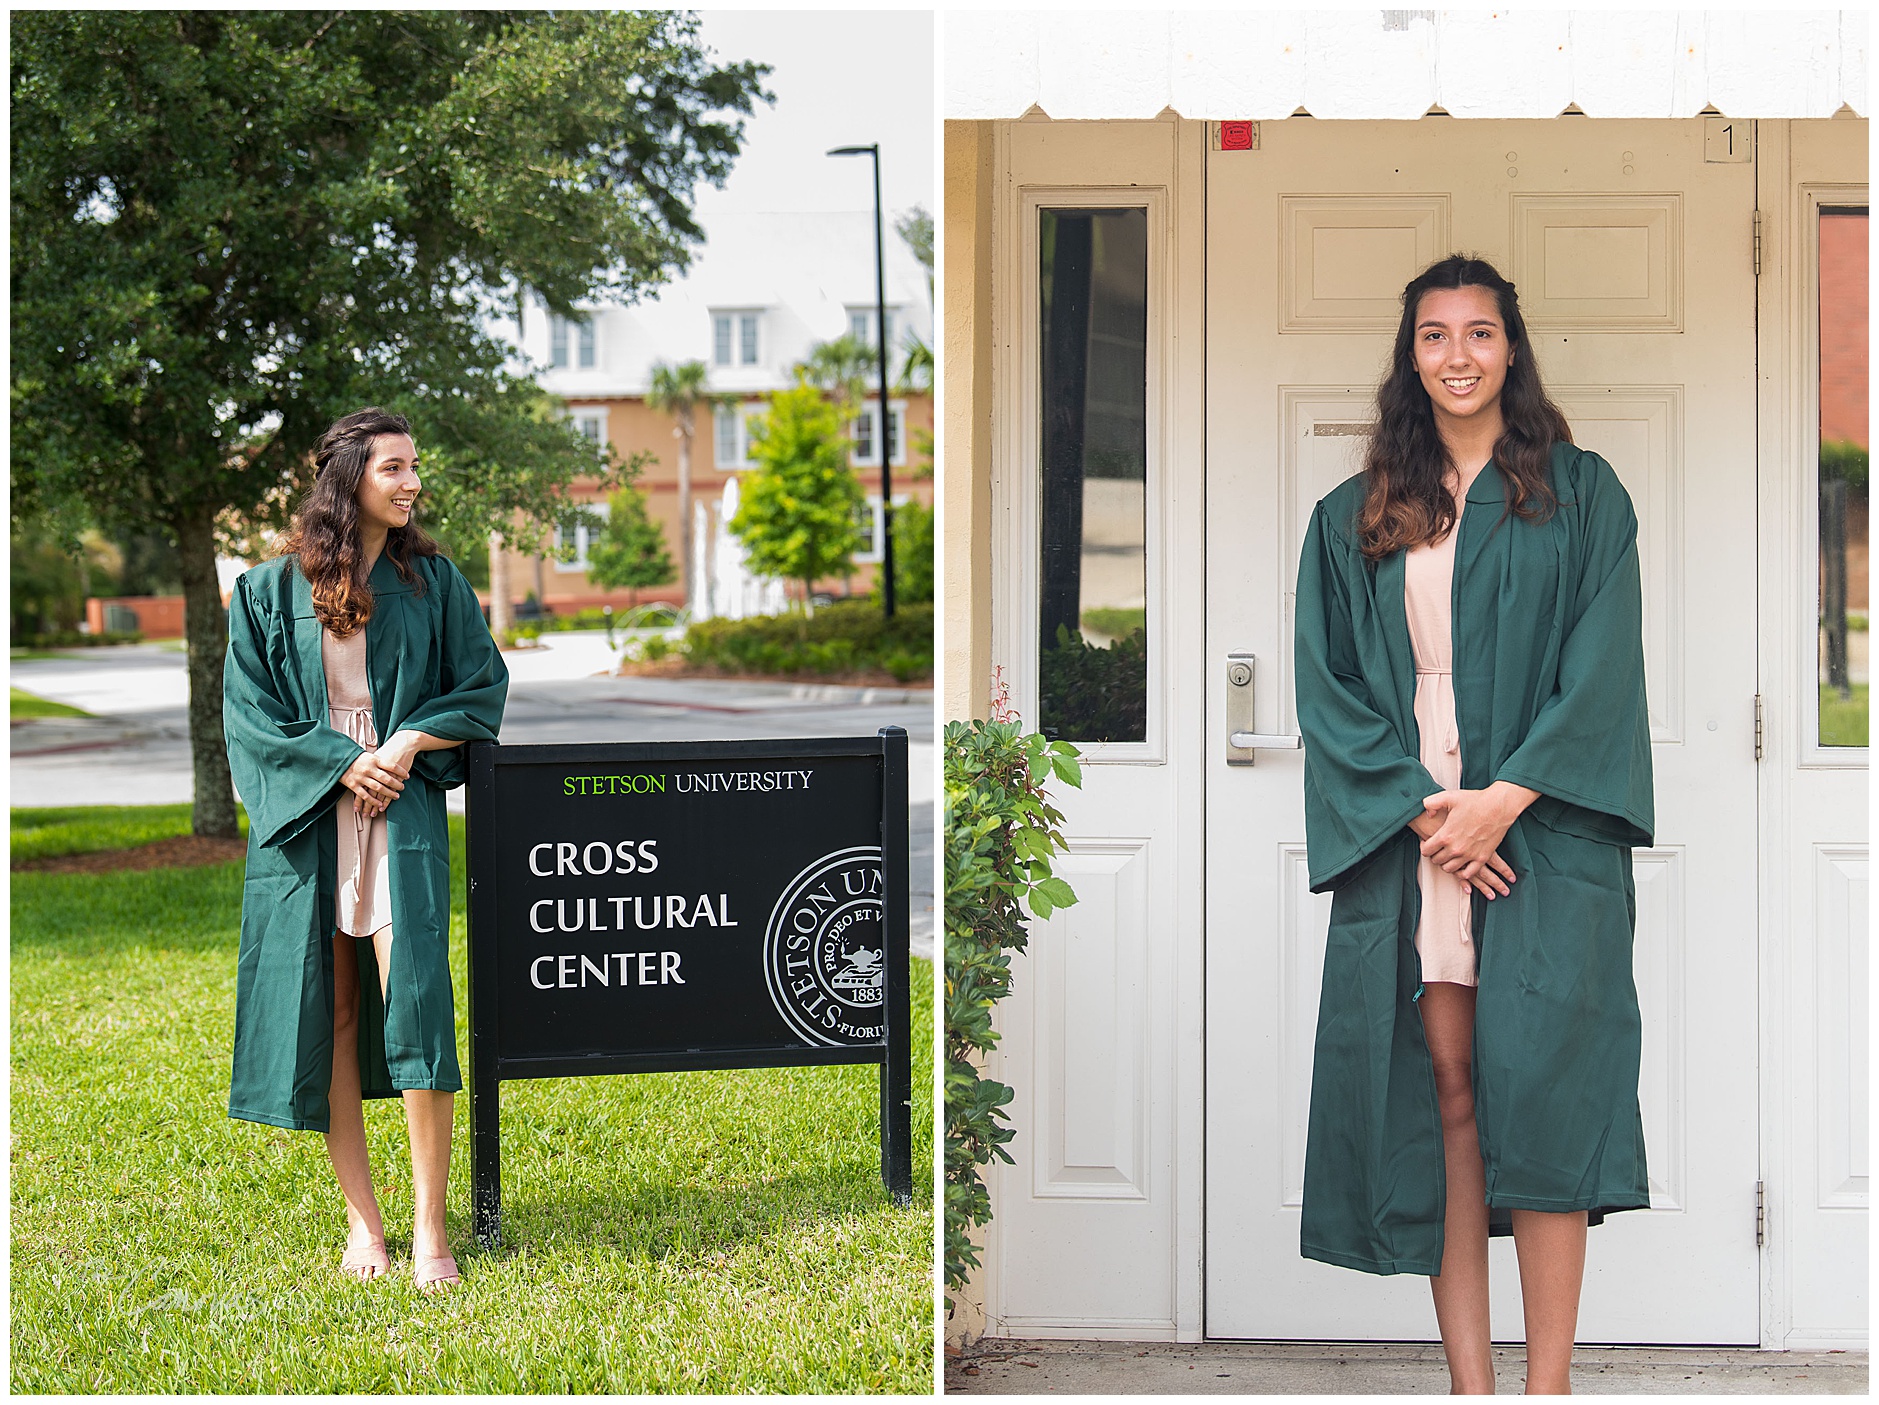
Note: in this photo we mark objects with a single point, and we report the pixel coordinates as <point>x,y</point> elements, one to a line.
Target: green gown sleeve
<point>1363,780</point>
<point>285,765</point>
<point>1588,750</point>
<point>473,684</point>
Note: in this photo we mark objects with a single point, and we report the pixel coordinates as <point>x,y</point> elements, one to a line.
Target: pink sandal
<point>432,1275</point>
<point>366,1263</point>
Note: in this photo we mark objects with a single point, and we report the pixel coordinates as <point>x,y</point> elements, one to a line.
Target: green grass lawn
<point>27,704</point>
<point>672,1232</point>
<point>1844,721</point>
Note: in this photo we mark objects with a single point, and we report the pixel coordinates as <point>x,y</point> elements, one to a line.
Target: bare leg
<point>1461,1289</point>
<point>345,1143</point>
<point>429,1115</point>
<point>1552,1267</point>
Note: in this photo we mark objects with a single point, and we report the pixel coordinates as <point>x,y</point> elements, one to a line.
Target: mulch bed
<point>185,851</point>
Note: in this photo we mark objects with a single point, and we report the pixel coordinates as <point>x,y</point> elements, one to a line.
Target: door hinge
<point>1761,1213</point>
<point>1758,243</point>
<point>1758,726</point>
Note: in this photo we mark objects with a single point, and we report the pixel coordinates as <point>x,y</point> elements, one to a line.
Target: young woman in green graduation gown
<point>1444,1112</point>
<point>324,1017</point>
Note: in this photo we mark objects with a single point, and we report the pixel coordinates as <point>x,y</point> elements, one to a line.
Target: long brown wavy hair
<point>325,532</point>
<point>1405,503</point>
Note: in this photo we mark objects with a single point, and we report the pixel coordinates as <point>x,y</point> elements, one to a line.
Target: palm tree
<point>679,391</point>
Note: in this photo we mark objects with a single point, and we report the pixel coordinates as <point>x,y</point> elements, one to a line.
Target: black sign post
<point>655,907</point>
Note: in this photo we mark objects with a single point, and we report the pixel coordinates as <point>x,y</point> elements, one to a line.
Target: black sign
<point>643,907</point>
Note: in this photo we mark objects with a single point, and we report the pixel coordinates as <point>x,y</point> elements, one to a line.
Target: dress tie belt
<point>356,723</point>
<point>1451,740</point>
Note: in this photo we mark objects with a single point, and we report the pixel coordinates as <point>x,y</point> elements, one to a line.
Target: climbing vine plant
<point>1001,834</point>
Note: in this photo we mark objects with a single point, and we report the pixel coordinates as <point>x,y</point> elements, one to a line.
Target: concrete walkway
<point>1007,1367</point>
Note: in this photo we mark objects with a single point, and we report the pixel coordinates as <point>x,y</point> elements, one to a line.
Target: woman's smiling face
<point>1461,350</point>
<point>390,484</point>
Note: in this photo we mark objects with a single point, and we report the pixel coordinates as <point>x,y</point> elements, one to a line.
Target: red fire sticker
<point>1236,136</point>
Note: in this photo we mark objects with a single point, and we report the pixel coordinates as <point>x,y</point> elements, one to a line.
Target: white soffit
<point>1264,65</point>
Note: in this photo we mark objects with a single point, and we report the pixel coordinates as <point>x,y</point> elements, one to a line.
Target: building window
<point>861,326</point>
<point>580,335</point>
<point>864,452</point>
<point>735,339</point>
<point>730,434</point>
<point>591,425</point>
<point>1092,558</point>
<point>870,524</point>
<point>1843,661</point>
<point>584,536</point>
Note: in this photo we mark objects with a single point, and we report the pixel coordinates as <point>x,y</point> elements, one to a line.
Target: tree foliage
<point>231,227</point>
<point>629,552</point>
<point>1001,833</point>
<point>799,512</point>
<point>844,367</point>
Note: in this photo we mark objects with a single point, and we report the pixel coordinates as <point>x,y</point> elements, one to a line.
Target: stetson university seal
<point>824,950</point>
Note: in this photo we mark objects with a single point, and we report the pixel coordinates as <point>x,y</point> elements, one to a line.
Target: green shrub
<point>847,636</point>
<point>1116,623</point>
<point>1842,458</point>
<point>1000,833</point>
<point>1094,694</point>
<point>72,639</point>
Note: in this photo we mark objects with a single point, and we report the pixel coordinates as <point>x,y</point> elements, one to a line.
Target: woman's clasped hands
<point>1461,832</point>
<point>375,779</point>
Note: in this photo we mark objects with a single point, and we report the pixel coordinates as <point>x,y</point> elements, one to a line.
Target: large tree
<point>231,227</point>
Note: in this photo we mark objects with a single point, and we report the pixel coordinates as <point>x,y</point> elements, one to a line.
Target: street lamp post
<point>880,342</point>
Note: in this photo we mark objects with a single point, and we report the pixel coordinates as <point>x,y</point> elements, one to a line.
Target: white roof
<point>802,272</point>
<point>1338,63</point>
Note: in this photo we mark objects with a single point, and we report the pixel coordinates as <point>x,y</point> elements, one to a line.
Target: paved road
<point>135,751</point>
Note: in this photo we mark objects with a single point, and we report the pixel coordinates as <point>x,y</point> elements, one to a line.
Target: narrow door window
<point>1845,634</point>
<point>1093,576</point>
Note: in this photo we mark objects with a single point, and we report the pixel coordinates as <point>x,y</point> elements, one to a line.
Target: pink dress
<point>363,901</point>
<point>1445,936</point>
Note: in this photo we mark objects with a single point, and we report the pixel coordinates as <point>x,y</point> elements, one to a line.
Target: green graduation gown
<point>431,665</point>
<point>1549,693</point>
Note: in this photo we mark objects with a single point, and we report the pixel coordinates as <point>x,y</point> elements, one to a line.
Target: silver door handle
<point>1242,740</point>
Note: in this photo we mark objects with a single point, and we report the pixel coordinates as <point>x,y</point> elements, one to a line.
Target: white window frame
<point>572,345</point>
<point>1814,197</point>
<point>1017,474</point>
<point>742,415</point>
<point>861,324</point>
<point>875,530</point>
<point>583,538</point>
<point>737,326</point>
<point>897,418</point>
<point>585,417</point>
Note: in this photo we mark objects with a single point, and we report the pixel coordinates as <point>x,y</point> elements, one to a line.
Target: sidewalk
<point>1011,1367</point>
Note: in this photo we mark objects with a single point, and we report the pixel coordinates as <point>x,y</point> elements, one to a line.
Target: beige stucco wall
<point>966,368</point>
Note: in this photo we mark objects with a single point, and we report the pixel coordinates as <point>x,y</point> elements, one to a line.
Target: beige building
<point>1235,201</point>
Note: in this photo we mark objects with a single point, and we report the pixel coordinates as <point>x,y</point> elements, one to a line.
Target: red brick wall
<point>158,616</point>
<point>1843,351</point>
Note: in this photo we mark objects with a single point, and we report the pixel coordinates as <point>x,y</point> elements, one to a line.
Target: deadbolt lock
<point>1242,740</point>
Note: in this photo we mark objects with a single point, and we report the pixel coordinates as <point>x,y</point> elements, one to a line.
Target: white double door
<point>1631,246</point>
